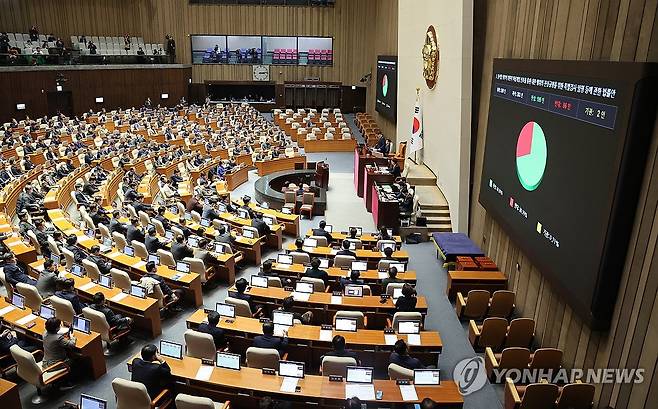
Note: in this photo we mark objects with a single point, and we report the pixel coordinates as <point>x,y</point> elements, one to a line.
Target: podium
<point>322,175</point>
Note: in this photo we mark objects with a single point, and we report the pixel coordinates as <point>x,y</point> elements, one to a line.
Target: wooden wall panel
<point>617,30</point>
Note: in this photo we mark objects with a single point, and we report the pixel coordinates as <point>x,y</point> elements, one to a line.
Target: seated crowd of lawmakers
<point>236,127</point>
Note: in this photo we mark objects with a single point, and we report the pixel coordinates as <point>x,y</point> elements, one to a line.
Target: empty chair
<point>520,333</point>
<point>576,396</point>
<point>343,261</point>
<point>490,334</point>
<point>511,358</point>
<point>308,201</point>
<point>274,282</point>
<point>474,306</point>
<point>184,401</point>
<point>105,232</point>
<point>336,365</point>
<point>196,216</point>
<point>34,373</point>
<point>501,304</point>
<point>263,358</point>
<point>396,372</point>
<point>140,249</point>
<point>33,299</point>
<point>120,279</point>
<point>63,308</point>
<point>91,269</point>
<point>99,324</point>
<point>405,316</point>
<point>166,258</point>
<point>290,201</point>
<point>119,240</point>
<point>199,345</point>
<point>69,257</point>
<point>361,321</point>
<point>318,284</point>
<point>34,241</point>
<point>6,284</point>
<point>198,266</point>
<point>390,288</point>
<point>300,258</point>
<point>159,228</point>
<point>533,396</point>
<point>133,395</point>
<point>546,358</point>
<point>242,308</point>
<point>322,241</point>
<point>358,244</point>
<point>52,245</point>
<point>144,218</point>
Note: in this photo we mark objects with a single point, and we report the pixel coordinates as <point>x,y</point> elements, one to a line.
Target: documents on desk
<point>413,339</point>
<point>390,339</point>
<point>7,310</point>
<point>26,319</point>
<point>204,373</point>
<point>289,385</point>
<point>360,390</point>
<point>336,299</point>
<point>326,335</point>
<point>300,296</point>
<point>118,297</point>
<point>408,393</point>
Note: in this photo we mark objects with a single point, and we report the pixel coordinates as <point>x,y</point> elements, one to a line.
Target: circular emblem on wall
<point>430,57</point>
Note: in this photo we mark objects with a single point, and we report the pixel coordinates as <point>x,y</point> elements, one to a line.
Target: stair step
<point>432,206</point>
<point>439,220</point>
<point>435,213</point>
<point>439,228</point>
<point>421,181</point>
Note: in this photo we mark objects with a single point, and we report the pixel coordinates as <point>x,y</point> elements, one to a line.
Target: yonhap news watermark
<point>470,375</point>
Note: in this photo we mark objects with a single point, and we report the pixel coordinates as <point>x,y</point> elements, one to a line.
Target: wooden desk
<point>371,256</point>
<point>89,346</point>
<point>332,145</point>
<point>24,252</point>
<point>464,281</point>
<point>360,162</point>
<point>144,311</point>
<point>324,309</point>
<point>369,178</point>
<point>305,343</point>
<point>289,221</point>
<point>235,179</point>
<point>385,212</point>
<point>279,164</point>
<point>367,239</point>
<point>9,396</point>
<point>244,388</point>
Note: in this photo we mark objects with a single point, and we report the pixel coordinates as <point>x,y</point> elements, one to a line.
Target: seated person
<point>406,303</point>
<point>67,292</point>
<point>353,280</point>
<point>16,274</point>
<point>345,251</point>
<point>180,249</point>
<point>388,254</point>
<point>56,345</point>
<point>211,328</point>
<point>338,342</point>
<point>287,306</point>
<point>240,287</point>
<point>353,403</point>
<point>78,254</point>
<point>267,270</point>
<point>383,234</point>
<point>407,203</point>
<point>47,281</point>
<point>400,356</point>
<point>95,257</point>
<point>151,371</point>
<point>268,340</point>
<point>134,232</point>
<point>316,272</point>
<point>222,235</point>
<point>161,217</point>
<point>152,278</point>
<point>152,243</point>
<point>113,319</point>
<point>322,232</point>
<point>392,278</point>
<point>116,225</point>
<point>258,223</point>
<point>9,338</point>
<point>299,245</point>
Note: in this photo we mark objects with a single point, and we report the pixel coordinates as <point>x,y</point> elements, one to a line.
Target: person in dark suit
<point>383,234</point>
<point>68,293</point>
<point>353,403</point>
<point>407,203</point>
<point>83,199</point>
<point>394,168</point>
<point>316,272</point>
<point>241,287</point>
<point>170,295</point>
<point>112,318</point>
<point>116,225</point>
<point>299,244</point>
<point>180,249</point>
<point>97,216</point>
<point>354,279</point>
<point>406,303</point>
<point>267,270</point>
<point>268,340</point>
<point>338,343</point>
<point>223,236</point>
<point>381,143</point>
<point>288,305</point>
<point>210,211</point>
<point>15,274</point>
<point>345,251</point>
<point>388,254</point>
<point>152,243</point>
<point>392,278</point>
<point>322,232</point>
<point>212,329</point>
<point>95,257</point>
<point>400,356</point>
<point>161,218</point>
<point>134,232</point>
<point>151,371</point>
<point>262,227</point>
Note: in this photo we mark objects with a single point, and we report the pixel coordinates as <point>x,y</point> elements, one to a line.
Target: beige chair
<point>396,372</point>
<point>99,324</point>
<point>33,299</point>
<point>253,230</point>
<point>196,216</point>
<point>52,245</point>
<point>520,333</point>
<point>510,358</point>
<point>322,241</point>
<point>308,202</point>
<point>198,266</point>
<point>144,218</point>
<point>159,228</point>
<point>390,288</point>
<point>34,241</point>
<point>405,316</point>
<point>121,279</point>
<point>184,401</point>
<point>474,306</point>
<point>361,321</point>
<point>263,358</point>
<point>576,396</point>
<point>300,258</point>
<point>533,396</point>
<point>69,257</point>
<point>382,243</point>
<point>92,270</point>
<point>383,265</point>
<point>336,365</point>
<point>490,334</point>
<point>343,261</point>
<point>274,282</point>
<point>546,358</point>
<point>358,244</point>
<point>166,258</point>
<point>63,308</point>
<point>132,212</point>
<point>177,231</point>
<point>133,395</point>
<point>140,249</point>
<point>181,208</point>
<point>119,240</point>
<point>105,232</point>
<point>290,201</point>
<point>5,283</point>
<point>242,308</point>
<point>34,373</point>
<point>501,304</point>
<point>318,284</point>
<point>199,345</point>
<point>157,294</point>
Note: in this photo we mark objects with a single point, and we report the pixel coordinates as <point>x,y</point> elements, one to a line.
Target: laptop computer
<point>353,291</point>
<point>154,258</point>
<point>359,265</point>
<point>137,291</point>
<point>129,251</point>
<point>259,281</point>
<point>284,259</point>
<point>105,281</point>
<point>46,312</point>
<point>408,327</point>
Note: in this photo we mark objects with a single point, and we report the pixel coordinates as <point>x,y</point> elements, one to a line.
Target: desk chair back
<point>130,395</point>
<point>199,345</point>
<point>336,365</point>
<point>262,358</point>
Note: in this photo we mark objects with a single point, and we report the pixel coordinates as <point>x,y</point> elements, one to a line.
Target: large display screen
<point>562,166</point>
<point>387,86</point>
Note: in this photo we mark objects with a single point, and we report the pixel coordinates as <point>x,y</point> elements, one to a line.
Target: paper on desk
<point>382,274</point>
<point>334,252</point>
<point>289,385</point>
<point>336,299</point>
<point>118,297</point>
<point>413,339</point>
<point>87,286</point>
<point>361,391</point>
<point>204,372</point>
<point>7,309</point>
<point>326,335</point>
<point>408,392</point>
<point>300,296</point>
<point>391,339</point>
<point>14,243</point>
<point>114,254</point>
<point>139,264</point>
<point>26,319</point>
<point>39,268</point>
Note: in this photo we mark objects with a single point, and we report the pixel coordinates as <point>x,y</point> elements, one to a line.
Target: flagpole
<point>416,151</point>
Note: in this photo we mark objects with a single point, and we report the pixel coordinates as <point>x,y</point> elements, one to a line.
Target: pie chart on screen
<point>531,153</point>
<point>385,85</point>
